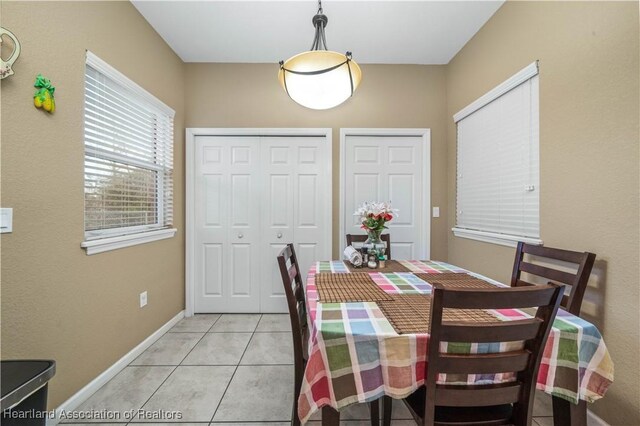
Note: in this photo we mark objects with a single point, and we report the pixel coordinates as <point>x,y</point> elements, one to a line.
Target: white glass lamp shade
<point>323,90</point>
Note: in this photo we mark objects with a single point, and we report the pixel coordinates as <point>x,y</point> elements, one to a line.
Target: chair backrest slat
<point>553,253</point>
<point>465,332</point>
<point>485,363</point>
<point>552,274</point>
<point>468,298</point>
<point>572,301</point>
<point>478,395</point>
<point>522,362</point>
<point>358,238</point>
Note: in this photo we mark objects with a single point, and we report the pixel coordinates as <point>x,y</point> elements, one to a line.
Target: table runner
<point>442,276</point>
<point>354,287</point>
<point>356,355</point>
<point>460,281</point>
<point>411,313</point>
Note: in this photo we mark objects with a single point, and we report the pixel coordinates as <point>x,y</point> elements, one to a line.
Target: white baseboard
<point>83,394</point>
<point>593,420</point>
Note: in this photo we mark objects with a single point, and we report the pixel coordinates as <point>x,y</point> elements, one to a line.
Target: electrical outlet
<point>143,299</point>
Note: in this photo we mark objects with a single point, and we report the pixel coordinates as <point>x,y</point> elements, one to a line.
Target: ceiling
<point>377,32</point>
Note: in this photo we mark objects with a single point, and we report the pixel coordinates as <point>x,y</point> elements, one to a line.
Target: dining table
<point>358,350</point>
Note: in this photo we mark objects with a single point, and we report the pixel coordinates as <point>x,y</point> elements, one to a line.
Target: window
<point>128,161</point>
<point>498,164</point>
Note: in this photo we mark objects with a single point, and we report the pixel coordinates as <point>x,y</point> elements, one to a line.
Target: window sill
<point>494,238</point>
<point>121,241</point>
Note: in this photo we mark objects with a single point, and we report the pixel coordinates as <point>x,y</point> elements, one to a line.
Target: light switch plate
<point>143,299</point>
<point>6,220</point>
<point>436,212</point>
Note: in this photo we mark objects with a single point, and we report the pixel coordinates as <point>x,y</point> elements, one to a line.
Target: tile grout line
<point>236,369</point>
<point>174,367</point>
<point>154,392</point>
<point>279,364</point>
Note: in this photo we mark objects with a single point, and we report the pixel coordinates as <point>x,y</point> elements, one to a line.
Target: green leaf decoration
<point>43,83</point>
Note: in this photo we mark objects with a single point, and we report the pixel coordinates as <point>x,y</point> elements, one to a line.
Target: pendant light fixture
<point>320,78</point>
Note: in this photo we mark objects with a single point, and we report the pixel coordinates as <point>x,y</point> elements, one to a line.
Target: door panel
<point>227,232</point>
<point>366,154</point>
<point>387,168</point>
<point>402,191</point>
<point>403,250</point>
<point>241,265</point>
<point>241,200</point>
<point>212,269</point>
<point>365,187</point>
<point>280,195</point>
<point>297,171</point>
<point>308,201</point>
<point>401,155</point>
<point>277,226</point>
<point>213,200</point>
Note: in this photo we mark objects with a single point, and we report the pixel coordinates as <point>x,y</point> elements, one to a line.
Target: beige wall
<point>57,302</point>
<point>249,95</point>
<point>589,160</point>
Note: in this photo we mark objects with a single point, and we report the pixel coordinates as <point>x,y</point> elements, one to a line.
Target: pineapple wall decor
<point>43,98</point>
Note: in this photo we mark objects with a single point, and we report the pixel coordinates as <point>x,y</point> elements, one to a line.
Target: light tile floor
<point>223,370</point>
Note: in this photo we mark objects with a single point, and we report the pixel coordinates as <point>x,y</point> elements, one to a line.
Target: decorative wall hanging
<point>319,78</point>
<point>43,98</point>
<point>6,67</point>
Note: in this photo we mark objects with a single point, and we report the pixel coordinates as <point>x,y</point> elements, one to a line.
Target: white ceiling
<point>379,32</point>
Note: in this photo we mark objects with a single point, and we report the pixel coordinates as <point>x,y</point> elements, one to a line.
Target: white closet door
<point>296,204</point>
<point>388,168</point>
<point>227,224</point>
<point>252,196</point>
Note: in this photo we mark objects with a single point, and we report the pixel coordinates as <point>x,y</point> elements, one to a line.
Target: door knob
<point>240,235</point>
<point>279,235</point>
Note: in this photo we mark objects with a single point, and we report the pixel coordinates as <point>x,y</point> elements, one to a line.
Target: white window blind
<point>498,163</point>
<point>128,163</point>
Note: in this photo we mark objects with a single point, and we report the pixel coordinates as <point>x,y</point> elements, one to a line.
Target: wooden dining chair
<point>294,291</point>
<point>357,238</point>
<point>487,404</point>
<point>571,301</point>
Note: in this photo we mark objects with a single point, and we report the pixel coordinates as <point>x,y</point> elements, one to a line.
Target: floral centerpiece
<point>373,216</point>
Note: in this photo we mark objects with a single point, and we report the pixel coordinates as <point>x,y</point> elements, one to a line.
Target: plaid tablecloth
<point>356,356</point>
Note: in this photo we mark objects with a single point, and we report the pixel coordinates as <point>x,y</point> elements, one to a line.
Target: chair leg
<point>330,417</point>
<point>568,414</point>
<point>386,410</point>
<point>297,385</point>
<point>295,420</point>
<point>374,409</point>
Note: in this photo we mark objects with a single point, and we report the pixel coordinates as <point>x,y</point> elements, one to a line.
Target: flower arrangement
<point>373,216</point>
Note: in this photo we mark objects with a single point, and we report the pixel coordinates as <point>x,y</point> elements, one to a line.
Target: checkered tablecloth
<point>356,356</point>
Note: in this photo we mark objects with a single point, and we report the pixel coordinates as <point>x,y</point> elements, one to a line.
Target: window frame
<point>511,83</point>
<point>98,241</point>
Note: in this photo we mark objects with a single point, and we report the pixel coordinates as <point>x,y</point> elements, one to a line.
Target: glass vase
<point>373,236</point>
